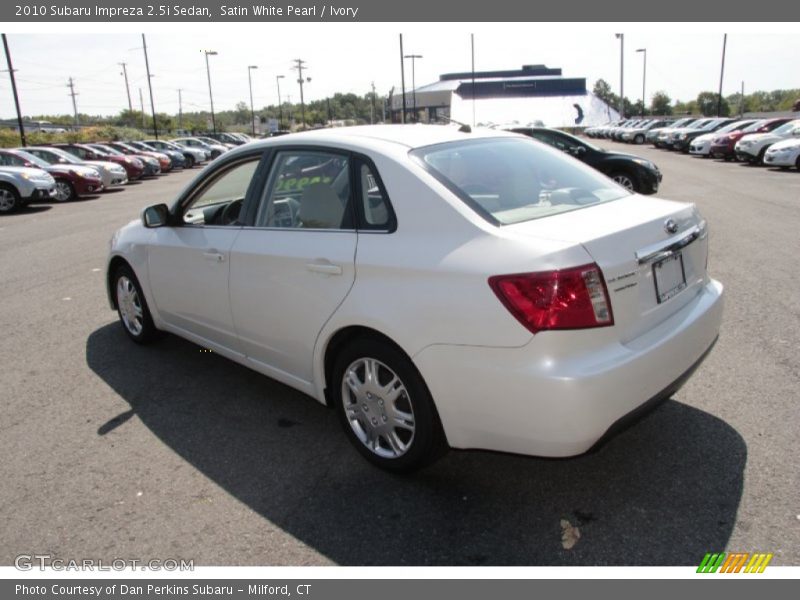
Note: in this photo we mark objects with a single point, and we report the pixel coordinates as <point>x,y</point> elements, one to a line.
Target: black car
<point>683,139</point>
<point>637,174</point>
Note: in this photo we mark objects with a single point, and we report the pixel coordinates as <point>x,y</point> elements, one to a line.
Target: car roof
<point>411,136</point>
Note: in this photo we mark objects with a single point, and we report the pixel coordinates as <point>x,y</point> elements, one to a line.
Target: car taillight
<point>574,298</point>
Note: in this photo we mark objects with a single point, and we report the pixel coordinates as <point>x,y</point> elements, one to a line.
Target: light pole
<point>280,104</point>
<point>210,95</point>
<point>413,58</point>
<point>644,74</point>
<point>621,38</point>
<point>252,112</point>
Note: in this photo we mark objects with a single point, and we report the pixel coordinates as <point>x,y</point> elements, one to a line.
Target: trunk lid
<point>652,252</point>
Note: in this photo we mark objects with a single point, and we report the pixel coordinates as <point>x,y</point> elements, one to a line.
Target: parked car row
<point>66,171</point>
<point>773,142</point>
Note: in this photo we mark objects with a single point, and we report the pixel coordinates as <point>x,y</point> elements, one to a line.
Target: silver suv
<point>20,185</point>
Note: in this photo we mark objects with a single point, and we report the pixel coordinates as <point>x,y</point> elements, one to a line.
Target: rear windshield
<point>510,180</point>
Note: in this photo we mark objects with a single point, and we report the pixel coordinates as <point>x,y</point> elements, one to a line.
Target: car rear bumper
<point>523,400</point>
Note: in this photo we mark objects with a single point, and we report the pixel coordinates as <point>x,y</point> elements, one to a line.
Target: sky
<point>682,59</point>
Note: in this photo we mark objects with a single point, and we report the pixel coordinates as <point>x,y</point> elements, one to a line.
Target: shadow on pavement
<point>664,492</point>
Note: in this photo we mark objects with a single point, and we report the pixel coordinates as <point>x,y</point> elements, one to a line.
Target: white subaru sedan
<point>438,287</point>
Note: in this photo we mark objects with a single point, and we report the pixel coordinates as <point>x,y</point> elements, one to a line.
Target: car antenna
<point>464,128</point>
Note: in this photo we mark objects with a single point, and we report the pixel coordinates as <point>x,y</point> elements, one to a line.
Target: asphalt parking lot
<point>113,450</point>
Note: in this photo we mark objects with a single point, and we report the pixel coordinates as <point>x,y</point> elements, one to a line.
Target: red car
<point>163,159</point>
<point>722,147</point>
<point>133,166</point>
<point>72,181</point>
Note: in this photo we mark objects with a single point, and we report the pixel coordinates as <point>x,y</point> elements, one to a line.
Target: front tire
<point>385,407</point>
<point>638,140</point>
<point>626,180</point>
<point>64,191</point>
<point>134,315</point>
<point>188,161</point>
<point>9,199</point>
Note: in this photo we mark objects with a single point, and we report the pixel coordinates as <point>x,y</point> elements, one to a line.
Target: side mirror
<point>578,151</point>
<point>796,132</point>
<point>155,216</point>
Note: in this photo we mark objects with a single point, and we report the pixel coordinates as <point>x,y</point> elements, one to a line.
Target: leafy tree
<point>661,104</point>
<point>707,103</point>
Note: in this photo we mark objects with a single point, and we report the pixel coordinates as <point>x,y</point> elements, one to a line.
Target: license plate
<point>669,277</point>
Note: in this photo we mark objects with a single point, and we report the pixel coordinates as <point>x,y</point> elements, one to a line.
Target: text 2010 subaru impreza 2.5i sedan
<point>436,287</point>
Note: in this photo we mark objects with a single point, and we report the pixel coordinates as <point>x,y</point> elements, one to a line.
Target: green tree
<point>708,102</point>
<point>661,104</point>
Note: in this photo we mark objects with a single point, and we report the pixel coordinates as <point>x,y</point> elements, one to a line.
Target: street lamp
<point>280,107</point>
<point>413,58</point>
<point>210,95</point>
<point>621,38</point>
<point>252,112</point>
<point>644,74</point>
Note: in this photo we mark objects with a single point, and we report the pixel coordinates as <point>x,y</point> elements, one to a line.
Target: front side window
<point>510,180</point>
<point>307,190</point>
<point>220,202</point>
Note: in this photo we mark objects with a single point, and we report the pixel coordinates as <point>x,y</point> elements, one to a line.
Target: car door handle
<point>214,256</point>
<point>324,266</point>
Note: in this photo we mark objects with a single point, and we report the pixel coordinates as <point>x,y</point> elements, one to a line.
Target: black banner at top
<point>32,11</point>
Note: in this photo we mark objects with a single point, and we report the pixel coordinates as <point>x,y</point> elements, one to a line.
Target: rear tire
<point>385,407</point>
<point>797,163</point>
<point>189,161</point>
<point>760,158</point>
<point>134,315</point>
<point>638,140</point>
<point>9,199</point>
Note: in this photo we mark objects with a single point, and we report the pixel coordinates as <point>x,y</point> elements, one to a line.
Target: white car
<point>752,147</point>
<point>784,154</point>
<point>21,185</point>
<point>701,145</point>
<point>214,149</point>
<point>437,287</point>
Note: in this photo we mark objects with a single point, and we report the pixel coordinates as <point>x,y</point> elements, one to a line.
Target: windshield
<point>32,159</point>
<point>511,180</point>
<point>735,126</point>
<point>207,140</point>
<point>70,158</point>
<point>108,149</point>
<point>786,127</point>
<point>755,126</point>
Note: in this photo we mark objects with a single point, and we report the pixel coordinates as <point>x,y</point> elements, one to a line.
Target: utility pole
<point>372,111</point>
<point>472,50</point>
<point>180,109</point>
<point>127,88</point>
<point>330,112</point>
<point>210,94</point>
<point>721,74</point>
<point>280,105</point>
<point>299,68</point>
<point>14,89</point>
<point>403,78</point>
<point>141,102</point>
<point>150,86</point>
<point>621,38</point>
<point>73,93</point>
<point>252,111</point>
<point>741,102</point>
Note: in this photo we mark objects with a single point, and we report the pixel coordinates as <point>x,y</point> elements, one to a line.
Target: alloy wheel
<point>378,408</point>
<point>130,306</point>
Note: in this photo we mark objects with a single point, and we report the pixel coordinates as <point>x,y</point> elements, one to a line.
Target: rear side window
<point>374,203</point>
<point>510,180</point>
<point>307,190</point>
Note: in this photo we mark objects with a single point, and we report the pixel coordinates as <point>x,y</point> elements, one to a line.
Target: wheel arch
<point>338,340</point>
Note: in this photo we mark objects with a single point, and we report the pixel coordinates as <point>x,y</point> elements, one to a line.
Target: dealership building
<point>532,95</point>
